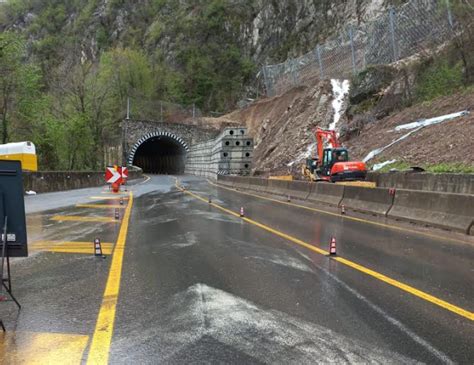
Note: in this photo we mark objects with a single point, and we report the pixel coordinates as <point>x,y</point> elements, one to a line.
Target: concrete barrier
<point>368,200</point>
<point>299,189</point>
<point>240,182</point>
<point>446,183</point>
<point>225,180</point>
<point>257,184</point>
<point>327,193</point>
<point>278,187</point>
<point>443,210</point>
<point>50,181</point>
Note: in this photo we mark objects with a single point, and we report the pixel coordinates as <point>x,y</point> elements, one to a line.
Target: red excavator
<point>332,163</point>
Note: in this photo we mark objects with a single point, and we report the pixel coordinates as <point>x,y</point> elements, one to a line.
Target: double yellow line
<point>395,283</point>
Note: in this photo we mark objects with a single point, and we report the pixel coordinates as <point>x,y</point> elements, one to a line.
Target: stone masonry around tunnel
<point>160,147</point>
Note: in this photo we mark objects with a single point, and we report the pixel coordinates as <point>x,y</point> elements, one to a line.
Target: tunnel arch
<point>159,153</point>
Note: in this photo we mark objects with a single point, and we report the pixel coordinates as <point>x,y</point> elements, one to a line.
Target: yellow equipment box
<point>25,152</point>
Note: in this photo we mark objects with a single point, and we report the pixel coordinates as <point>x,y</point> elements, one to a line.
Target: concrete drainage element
<point>230,153</point>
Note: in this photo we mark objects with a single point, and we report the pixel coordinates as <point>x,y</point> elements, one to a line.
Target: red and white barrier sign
<point>124,174</point>
<point>113,175</point>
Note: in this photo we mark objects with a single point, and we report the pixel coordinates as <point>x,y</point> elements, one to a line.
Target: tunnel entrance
<point>161,155</point>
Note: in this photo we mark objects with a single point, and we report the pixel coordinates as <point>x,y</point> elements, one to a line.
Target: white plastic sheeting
<point>431,121</point>
<point>340,89</point>
<point>303,155</point>
<point>377,151</point>
<point>417,125</point>
<point>378,166</point>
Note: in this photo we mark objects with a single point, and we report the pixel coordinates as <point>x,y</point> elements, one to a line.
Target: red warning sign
<point>113,175</point>
<point>124,174</point>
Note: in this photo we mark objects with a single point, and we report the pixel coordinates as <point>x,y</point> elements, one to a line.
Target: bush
<point>439,79</point>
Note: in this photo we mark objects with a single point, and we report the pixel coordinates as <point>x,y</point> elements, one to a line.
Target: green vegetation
<point>439,79</point>
<point>398,165</point>
<point>65,79</point>
<point>451,167</point>
<point>434,168</point>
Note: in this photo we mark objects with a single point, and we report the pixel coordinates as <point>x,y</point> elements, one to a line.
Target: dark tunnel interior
<point>161,155</point>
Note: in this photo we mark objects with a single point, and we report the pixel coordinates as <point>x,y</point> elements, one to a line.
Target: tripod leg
<point>9,288</point>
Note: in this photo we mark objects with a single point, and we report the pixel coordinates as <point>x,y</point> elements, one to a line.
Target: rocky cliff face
<point>279,29</point>
<point>269,31</point>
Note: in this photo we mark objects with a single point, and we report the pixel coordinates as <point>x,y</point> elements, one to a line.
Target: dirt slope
<point>449,142</point>
<point>281,127</point>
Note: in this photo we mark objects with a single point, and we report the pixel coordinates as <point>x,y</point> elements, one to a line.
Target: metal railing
<point>400,32</point>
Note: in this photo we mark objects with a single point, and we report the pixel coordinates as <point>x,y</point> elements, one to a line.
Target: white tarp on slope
<point>422,124</point>
<point>431,121</point>
<point>378,166</point>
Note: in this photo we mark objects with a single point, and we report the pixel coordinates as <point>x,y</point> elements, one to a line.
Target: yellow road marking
<point>76,218</point>
<point>70,247</point>
<point>100,206</point>
<point>104,327</point>
<point>409,289</point>
<point>355,219</point>
<point>84,251</point>
<point>41,348</point>
<point>108,197</point>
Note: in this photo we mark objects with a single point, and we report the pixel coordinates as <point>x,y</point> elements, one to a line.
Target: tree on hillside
<point>19,86</point>
<point>463,12</point>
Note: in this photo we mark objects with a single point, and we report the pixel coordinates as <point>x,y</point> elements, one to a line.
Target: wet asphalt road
<point>201,286</point>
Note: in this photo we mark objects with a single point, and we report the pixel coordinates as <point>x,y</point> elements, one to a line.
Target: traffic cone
<point>117,214</point>
<point>97,247</point>
<point>242,212</point>
<point>343,209</point>
<point>332,247</point>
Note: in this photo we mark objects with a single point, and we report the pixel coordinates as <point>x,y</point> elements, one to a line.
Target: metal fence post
<point>265,81</point>
<point>392,33</point>
<point>293,72</point>
<point>450,14</point>
<point>320,61</point>
<point>194,111</point>
<point>161,111</point>
<point>128,108</point>
<point>351,37</point>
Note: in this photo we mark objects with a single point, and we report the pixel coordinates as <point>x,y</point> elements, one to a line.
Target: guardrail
<point>442,210</point>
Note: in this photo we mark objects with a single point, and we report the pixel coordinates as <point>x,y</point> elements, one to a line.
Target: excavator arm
<point>323,135</point>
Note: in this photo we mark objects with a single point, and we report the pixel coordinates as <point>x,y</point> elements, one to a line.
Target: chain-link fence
<point>401,32</point>
<point>141,108</point>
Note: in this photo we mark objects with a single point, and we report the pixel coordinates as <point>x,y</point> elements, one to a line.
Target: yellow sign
<point>285,177</point>
<point>28,162</point>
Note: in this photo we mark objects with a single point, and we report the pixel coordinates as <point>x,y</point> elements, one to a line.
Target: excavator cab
<point>332,156</point>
